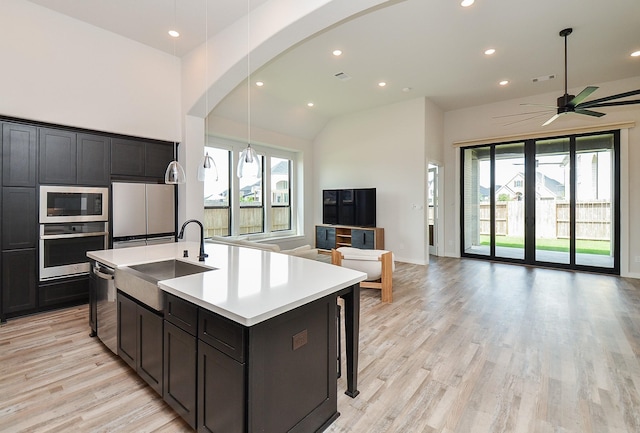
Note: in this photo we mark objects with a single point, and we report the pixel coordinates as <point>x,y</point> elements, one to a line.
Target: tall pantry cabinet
<point>18,234</point>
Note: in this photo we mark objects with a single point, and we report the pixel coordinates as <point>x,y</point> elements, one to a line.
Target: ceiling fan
<point>573,103</point>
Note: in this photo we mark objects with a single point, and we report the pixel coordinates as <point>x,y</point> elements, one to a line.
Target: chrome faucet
<point>202,255</point>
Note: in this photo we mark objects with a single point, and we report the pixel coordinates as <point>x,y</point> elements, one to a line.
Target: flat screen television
<point>349,207</point>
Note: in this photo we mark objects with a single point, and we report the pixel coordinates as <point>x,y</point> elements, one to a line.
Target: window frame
<point>266,153</point>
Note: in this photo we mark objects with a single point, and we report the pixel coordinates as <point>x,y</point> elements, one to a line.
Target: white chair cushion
<point>366,261</point>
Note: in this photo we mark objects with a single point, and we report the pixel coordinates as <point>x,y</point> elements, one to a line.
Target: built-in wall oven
<point>73,220</point>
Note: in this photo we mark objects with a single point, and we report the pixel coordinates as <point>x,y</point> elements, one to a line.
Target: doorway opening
<point>432,208</point>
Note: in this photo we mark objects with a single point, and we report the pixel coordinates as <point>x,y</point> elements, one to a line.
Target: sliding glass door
<point>510,192</point>
<point>596,200</point>
<point>551,202</point>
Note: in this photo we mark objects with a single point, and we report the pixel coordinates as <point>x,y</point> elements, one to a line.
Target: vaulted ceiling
<point>418,48</point>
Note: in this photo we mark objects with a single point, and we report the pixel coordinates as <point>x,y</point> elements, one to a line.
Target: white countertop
<point>248,285</point>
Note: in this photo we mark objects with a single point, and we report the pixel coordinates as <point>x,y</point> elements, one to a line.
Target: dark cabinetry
<point>67,158</point>
<point>18,155</point>
<point>329,237</point>
<point>140,339</point>
<point>157,158</point>
<point>180,357</point>
<point>221,392</point>
<point>93,160</point>
<point>278,375</point>
<point>18,281</point>
<point>221,374</point>
<point>364,239</point>
<point>19,222</point>
<point>18,235</point>
<point>57,154</point>
<point>19,258</point>
<point>292,369</point>
<point>66,291</point>
<point>325,237</point>
<point>140,158</point>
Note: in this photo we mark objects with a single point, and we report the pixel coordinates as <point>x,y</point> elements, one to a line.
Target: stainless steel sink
<point>141,281</point>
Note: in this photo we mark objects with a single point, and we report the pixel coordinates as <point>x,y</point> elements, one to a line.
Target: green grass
<point>562,245</point>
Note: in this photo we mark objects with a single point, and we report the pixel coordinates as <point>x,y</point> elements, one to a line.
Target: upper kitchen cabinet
<point>157,158</point>
<point>67,158</point>
<point>93,160</point>
<point>127,157</point>
<point>18,155</point>
<point>57,156</point>
<point>140,158</point>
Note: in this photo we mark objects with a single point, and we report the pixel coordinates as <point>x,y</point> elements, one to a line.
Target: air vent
<point>543,78</point>
<point>342,76</point>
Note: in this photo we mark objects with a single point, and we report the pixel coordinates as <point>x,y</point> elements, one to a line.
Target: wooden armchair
<point>377,264</point>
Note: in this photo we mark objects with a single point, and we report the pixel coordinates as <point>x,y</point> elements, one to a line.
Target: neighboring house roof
<point>553,186</point>
<point>280,168</point>
<point>505,190</point>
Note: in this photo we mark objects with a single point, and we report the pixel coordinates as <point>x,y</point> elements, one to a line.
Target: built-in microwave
<point>64,204</point>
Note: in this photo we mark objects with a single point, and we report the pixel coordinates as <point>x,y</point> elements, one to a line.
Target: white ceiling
<point>433,47</point>
<point>148,21</point>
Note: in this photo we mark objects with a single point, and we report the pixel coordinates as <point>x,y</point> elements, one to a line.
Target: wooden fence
<point>216,220</point>
<point>593,219</point>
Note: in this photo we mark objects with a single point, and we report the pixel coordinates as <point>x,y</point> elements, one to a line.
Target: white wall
<point>480,123</point>
<point>382,148</point>
<point>59,70</point>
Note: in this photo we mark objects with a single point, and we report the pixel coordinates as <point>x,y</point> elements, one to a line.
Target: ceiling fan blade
<point>541,105</point>
<point>521,114</point>
<point>528,118</point>
<point>555,116</point>
<point>611,104</point>
<point>589,112</point>
<point>582,95</point>
<point>609,98</point>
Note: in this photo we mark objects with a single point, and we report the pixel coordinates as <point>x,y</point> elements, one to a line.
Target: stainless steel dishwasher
<point>106,310</point>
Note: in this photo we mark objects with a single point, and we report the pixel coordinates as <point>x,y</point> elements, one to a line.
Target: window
<point>250,198</point>
<point>280,181</point>
<point>254,205</point>
<point>217,213</point>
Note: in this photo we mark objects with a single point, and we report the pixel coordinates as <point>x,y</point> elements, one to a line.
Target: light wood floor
<point>467,346</point>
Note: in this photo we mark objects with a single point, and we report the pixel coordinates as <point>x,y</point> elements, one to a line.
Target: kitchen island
<point>255,333</point>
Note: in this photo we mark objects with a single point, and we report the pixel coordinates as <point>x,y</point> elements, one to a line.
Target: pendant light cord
<point>248,73</point>
<point>206,70</point>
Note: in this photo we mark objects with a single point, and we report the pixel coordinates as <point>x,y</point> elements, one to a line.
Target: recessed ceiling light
<point>635,54</point>
<point>466,3</point>
<point>504,82</point>
<point>382,84</point>
<point>490,51</point>
<point>173,33</point>
<point>259,83</point>
<point>337,52</point>
<point>310,104</point>
<point>407,89</point>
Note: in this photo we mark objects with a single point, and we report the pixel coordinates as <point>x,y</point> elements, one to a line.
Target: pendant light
<point>249,162</point>
<point>208,164</point>
<point>174,173</point>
